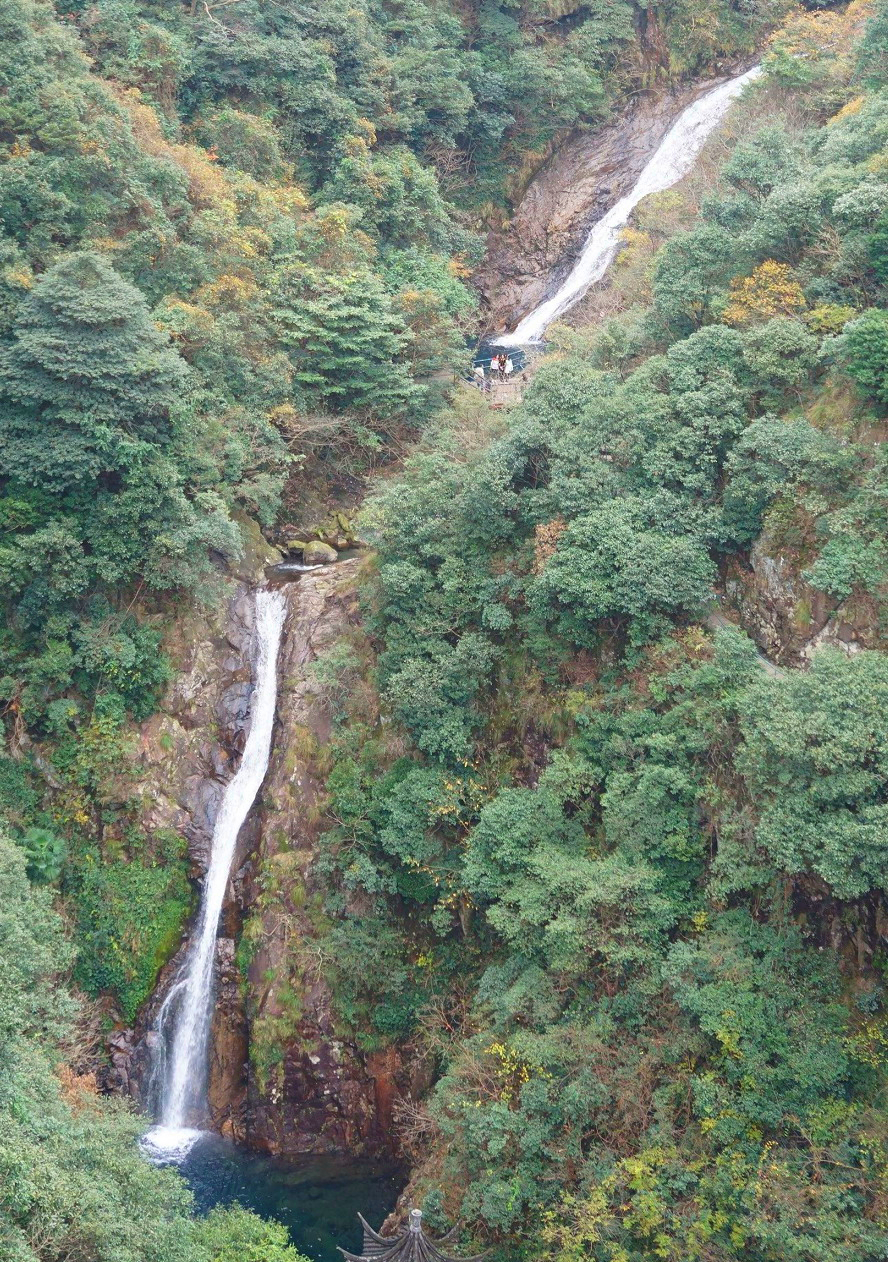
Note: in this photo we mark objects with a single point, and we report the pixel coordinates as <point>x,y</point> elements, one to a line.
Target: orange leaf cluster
<point>546,536</point>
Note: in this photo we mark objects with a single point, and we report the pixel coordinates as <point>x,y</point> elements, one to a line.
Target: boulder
<point>317,553</point>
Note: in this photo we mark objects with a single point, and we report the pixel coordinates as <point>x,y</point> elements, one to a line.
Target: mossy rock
<point>318,553</point>
<point>257,551</point>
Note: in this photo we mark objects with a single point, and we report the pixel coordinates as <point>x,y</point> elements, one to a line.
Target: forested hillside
<point>628,885</point>
<point>607,880</point>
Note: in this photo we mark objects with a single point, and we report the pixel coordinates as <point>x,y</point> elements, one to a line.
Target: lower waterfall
<point>184,1019</point>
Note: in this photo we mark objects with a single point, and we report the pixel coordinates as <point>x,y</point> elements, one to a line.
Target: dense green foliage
<point>129,920</point>
<point>233,245</point>
<point>618,888</point>
<point>626,887</point>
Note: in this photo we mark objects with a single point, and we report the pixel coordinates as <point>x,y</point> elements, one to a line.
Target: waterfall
<point>184,1019</point>
<point>676,155</point>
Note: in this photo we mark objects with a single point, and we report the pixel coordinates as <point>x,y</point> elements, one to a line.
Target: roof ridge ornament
<point>409,1244</point>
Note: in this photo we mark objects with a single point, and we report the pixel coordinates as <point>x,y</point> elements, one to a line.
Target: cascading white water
<point>183,1022</point>
<point>674,158</point>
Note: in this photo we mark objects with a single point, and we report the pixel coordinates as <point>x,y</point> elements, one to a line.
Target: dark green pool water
<point>317,1200</point>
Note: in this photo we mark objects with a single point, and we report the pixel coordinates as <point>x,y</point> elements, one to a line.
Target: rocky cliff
<point>280,1077</point>
<point>308,1090</point>
<point>528,258</point>
<point>187,752</point>
<point>787,617</point>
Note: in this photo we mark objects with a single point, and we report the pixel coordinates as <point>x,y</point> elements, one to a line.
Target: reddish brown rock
<point>229,1046</point>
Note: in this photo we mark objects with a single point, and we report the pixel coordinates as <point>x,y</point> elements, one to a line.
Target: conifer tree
<point>343,340</point>
<point>87,381</point>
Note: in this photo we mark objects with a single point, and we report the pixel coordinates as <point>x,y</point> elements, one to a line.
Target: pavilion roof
<point>409,1244</point>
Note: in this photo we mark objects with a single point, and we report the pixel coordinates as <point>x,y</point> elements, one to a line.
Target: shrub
<point>45,853</point>
<point>815,756</point>
<point>617,562</point>
<point>770,291</point>
<point>866,345</point>
<point>129,918</point>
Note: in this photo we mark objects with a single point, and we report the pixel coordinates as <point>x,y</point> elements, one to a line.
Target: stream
<point>318,1199</point>
<point>179,1078</point>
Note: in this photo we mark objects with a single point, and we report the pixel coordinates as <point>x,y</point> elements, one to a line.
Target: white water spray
<point>672,161</point>
<point>189,1003</point>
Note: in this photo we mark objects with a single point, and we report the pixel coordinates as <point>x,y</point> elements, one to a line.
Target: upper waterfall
<point>676,155</point>
<point>183,1022</point>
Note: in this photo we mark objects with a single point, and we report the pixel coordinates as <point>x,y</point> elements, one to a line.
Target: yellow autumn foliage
<point>770,291</point>
<point>814,45</point>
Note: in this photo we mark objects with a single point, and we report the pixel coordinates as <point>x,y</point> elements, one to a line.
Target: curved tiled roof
<point>409,1244</point>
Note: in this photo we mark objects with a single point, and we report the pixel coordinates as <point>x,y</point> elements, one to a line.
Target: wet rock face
<point>229,1046</point>
<point>189,749</point>
<point>320,1095</point>
<point>187,753</point>
<point>321,1102</point>
<point>587,175</point>
<point>120,1056</point>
